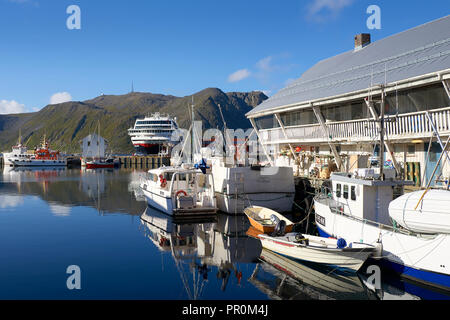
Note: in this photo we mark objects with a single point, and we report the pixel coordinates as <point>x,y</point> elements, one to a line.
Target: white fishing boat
<point>358,210</point>
<point>183,190</point>
<point>333,252</point>
<point>239,184</point>
<point>238,187</point>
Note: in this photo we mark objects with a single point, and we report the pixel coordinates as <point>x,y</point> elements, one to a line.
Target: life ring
<point>179,192</point>
<point>163,181</point>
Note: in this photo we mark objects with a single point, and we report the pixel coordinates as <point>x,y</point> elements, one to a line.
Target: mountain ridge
<point>65,124</point>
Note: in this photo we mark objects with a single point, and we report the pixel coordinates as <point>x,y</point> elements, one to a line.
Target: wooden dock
<point>144,162</point>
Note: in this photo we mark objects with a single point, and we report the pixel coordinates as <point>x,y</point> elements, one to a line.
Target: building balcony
<point>403,127</point>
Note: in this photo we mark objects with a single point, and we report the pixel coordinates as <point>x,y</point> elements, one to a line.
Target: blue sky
<point>179,47</point>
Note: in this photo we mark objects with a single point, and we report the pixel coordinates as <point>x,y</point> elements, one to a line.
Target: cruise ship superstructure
<point>153,134</point>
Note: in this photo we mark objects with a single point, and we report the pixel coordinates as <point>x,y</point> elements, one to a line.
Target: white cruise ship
<point>153,135</point>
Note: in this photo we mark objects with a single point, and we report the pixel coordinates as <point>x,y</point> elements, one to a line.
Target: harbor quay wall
<point>143,162</point>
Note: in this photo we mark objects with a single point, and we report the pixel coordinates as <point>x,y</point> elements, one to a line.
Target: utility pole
<point>383,102</point>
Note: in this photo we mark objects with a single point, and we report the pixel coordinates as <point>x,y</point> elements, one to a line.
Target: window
<point>298,118</point>
<point>338,190</point>
<point>417,99</point>
<point>411,150</point>
<point>353,193</point>
<point>345,191</point>
<point>267,122</point>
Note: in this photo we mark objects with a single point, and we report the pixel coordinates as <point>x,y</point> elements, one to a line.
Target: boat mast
<point>192,133</point>
<point>98,140</point>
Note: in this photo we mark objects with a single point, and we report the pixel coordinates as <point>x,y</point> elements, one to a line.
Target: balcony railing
<point>405,126</point>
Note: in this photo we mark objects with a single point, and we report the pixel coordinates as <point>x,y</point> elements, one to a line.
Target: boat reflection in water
<point>282,278</point>
<point>201,245</point>
<point>394,287</point>
<point>106,190</point>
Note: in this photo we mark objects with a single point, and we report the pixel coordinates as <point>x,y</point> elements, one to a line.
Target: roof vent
<point>362,40</point>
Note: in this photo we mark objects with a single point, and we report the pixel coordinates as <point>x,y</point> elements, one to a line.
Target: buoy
<point>341,243</point>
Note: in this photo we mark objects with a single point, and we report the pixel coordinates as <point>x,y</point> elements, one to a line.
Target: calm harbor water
<point>98,220</point>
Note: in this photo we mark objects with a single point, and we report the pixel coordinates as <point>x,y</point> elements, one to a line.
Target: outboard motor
<point>280,229</point>
<point>274,219</point>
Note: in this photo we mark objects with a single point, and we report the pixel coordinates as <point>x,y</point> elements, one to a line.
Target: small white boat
<point>423,211</point>
<point>182,190</point>
<point>333,252</point>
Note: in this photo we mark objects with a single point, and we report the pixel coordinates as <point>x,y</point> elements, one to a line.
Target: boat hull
<point>242,186</point>
<point>148,148</point>
<point>40,163</point>
<point>166,204</point>
<point>350,259</point>
<point>280,202</point>
<point>99,165</point>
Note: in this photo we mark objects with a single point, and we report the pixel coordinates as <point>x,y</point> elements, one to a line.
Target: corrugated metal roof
<point>415,52</point>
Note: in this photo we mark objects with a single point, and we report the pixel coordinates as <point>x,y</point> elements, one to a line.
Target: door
<point>433,157</point>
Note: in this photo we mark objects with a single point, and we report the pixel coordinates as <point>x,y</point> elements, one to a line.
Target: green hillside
<point>66,124</point>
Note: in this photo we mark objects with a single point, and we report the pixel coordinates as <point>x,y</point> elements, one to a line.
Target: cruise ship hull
<point>148,148</point>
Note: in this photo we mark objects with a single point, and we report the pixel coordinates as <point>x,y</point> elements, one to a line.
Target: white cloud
<point>7,201</point>
<point>8,107</point>
<point>264,64</point>
<point>239,75</point>
<point>333,7</point>
<point>35,3</point>
<point>60,97</point>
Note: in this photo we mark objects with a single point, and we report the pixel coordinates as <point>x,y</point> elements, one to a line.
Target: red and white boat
<point>99,163</point>
<point>43,157</point>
